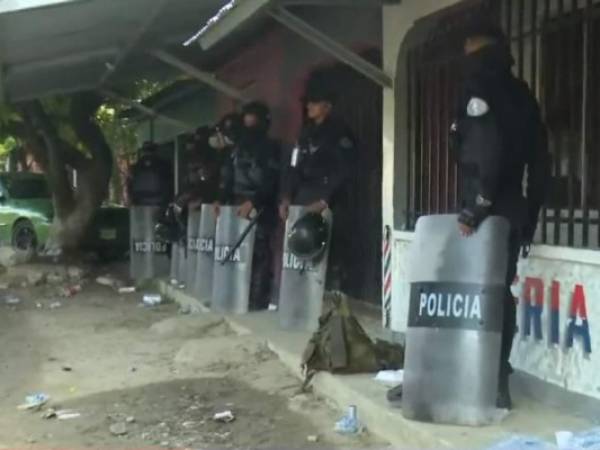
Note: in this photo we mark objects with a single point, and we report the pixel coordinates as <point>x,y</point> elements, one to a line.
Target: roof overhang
<point>11,6</point>
<point>50,47</point>
<point>238,16</point>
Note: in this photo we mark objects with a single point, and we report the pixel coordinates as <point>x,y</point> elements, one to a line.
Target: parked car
<point>26,214</point>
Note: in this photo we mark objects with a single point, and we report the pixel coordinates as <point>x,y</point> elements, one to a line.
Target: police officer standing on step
<point>202,172</point>
<point>249,179</point>
<point>150,180</point>
<point>319,166</point>
<point>498,136</point>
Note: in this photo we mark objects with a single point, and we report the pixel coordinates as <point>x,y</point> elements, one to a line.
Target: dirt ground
<point>143,377</point>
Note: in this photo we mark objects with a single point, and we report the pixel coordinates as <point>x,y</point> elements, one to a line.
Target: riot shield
<point>205,251</point>
<point>193,228</point>
<point>302,282</point>
<point>148,255</point>
<point>178,270</point>
<point>455,321</point>
<point>231,282</point>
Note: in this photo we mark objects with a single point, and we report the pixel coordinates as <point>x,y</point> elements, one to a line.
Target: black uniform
<point>251,173</point>
<point>151,182</point>
<point>499,133</point>
<point>320,163</point>
<point>319,168</point>
<point>202,174</point>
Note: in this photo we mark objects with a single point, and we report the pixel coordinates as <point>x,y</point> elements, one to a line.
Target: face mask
<point>251,135</point>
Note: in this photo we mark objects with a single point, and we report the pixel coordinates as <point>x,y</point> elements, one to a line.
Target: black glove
<point>472,217</point>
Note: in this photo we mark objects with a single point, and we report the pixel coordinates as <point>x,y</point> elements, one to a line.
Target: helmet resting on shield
<point>308,237</point>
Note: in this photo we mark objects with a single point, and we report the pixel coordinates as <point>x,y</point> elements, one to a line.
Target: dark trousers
<point>510,307</point>
<point>262,264</point>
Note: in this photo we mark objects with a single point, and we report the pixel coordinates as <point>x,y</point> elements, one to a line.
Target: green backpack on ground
<point>341,345</point>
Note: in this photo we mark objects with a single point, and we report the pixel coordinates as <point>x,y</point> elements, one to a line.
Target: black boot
<point>394,397</point>
<point>503,400</point>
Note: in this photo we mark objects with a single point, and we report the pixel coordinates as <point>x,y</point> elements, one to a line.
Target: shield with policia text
<point>193,228</point>
<point>148,254</point>
<point>205,250</point>
<point>453,339</point>
<point>302,281</point>
<point>178,260</point>
<point>232,266</point>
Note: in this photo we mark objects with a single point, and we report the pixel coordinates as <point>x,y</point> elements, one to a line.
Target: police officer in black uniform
<point>202,171</point>
<point>498,136</point>
<point>319,168</point>
<point>151,179</point>
<point>225,134</point>
<point>249,179</point>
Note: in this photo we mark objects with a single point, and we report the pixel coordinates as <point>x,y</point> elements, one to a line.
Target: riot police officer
<point>319,168</point>
<point>498,133</point>
<point>249,179</point>
<point>226,133</point>
<point>202,171</point>
<point>151,179</point>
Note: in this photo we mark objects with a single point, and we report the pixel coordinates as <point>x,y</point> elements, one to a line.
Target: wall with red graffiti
<point>557,339</point>
<point>558,313</point>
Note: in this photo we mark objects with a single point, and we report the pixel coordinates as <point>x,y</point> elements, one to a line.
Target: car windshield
<point>27,188</point>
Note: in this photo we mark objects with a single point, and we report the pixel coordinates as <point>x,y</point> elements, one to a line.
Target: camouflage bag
<point>340,345</point>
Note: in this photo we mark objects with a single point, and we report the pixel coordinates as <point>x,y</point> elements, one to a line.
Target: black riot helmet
<point>482,25</point>
<point>308,238</point>
<point>230,125</point>
<point>262,113</point>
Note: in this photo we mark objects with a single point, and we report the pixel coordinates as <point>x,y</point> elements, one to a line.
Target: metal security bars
<point>556,46</point>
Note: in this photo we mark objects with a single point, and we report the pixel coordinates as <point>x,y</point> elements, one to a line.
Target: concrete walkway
<point>528,418</point>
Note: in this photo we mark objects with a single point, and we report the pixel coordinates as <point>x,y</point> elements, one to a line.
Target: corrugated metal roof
<point>57,46</point>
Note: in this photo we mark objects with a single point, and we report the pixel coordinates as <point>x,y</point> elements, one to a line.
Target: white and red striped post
<point>387,276</point>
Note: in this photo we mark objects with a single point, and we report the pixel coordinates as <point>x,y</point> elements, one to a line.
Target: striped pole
<point>387,276</point>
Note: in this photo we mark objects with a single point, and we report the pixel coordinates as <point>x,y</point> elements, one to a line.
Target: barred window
<point>555,45</point>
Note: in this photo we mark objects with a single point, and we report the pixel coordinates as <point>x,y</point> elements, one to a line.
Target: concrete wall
<point>286,59</point>
<point>557,287</point>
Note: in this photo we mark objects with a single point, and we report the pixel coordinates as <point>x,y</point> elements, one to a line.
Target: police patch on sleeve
<point>295,156</point>
<point>477,107</point>
<point>346,142</point>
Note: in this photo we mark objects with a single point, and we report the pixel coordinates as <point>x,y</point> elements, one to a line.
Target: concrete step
<point>528,418</point>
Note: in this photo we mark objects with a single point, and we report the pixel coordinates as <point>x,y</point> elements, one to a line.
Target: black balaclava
<point>492,60</point>
<point>251,135</point>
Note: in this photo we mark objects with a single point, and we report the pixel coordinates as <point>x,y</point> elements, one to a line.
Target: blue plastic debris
<point>349,423</point>
<point>35,401</point>
<point>585,440</point>
<point>522,443</point>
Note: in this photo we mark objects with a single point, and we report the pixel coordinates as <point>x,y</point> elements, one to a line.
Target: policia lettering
<point>292,262</point>
<point>149,247</point>
<point>202,245</point>
<point>456,305</point>
<point>224,251</point>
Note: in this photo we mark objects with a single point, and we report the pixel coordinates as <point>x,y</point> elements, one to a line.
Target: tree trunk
<point>74,206</point>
